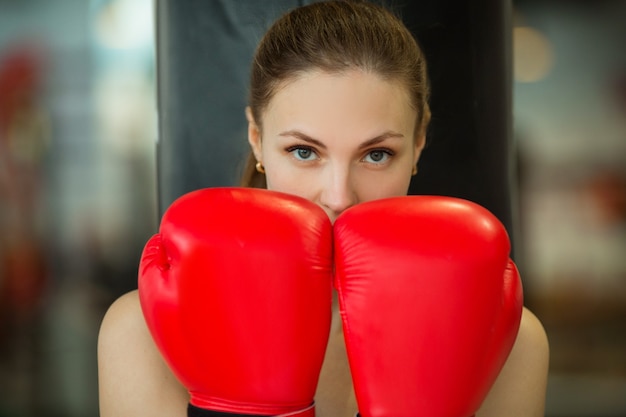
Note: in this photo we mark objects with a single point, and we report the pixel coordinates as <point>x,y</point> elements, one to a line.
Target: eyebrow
<point>306,138</point>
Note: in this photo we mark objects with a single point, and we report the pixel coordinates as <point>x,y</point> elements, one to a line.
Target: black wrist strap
<point>193,411</point>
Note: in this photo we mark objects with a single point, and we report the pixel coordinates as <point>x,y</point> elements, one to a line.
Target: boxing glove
<point>236,291</point>
<point>430,303</point>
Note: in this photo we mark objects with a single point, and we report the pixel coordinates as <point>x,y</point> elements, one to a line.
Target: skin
<point>337,140</point>
<point>352,140</point>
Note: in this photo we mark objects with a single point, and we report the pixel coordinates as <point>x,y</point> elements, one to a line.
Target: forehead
<point>340,101</point>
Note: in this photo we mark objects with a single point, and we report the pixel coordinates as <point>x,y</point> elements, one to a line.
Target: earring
<point>414,172</point>
<point>260,168</point>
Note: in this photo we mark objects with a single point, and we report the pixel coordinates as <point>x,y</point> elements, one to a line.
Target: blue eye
<point>302,153</point>
<point>377,156</point>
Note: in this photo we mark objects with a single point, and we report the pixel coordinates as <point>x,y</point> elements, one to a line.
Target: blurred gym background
<point>78,126</point>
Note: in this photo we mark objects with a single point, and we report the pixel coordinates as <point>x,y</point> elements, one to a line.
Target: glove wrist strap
<point>193,411</point>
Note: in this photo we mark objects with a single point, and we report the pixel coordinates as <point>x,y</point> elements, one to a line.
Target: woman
<point>337,114</point>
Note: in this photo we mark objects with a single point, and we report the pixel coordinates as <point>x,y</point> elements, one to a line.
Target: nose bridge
<point>339,193</point>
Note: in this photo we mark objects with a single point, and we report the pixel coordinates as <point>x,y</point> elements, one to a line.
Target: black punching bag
<point>204,53</point>
<point>204,50</point>
<point>469,153</point>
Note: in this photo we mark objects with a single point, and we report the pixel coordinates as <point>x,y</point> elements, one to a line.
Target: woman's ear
<point>254,134</point>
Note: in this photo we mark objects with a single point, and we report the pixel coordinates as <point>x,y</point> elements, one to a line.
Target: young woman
<point>337,114</point>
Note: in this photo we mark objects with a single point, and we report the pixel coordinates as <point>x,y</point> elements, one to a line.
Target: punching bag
<point>469,152</point>
<point>203,55</point>
<point>204,51</point>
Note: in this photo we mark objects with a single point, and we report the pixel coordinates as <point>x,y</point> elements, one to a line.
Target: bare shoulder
<point>133,378</point>
<point>532,336</point>
<point>122,317</point>
<point>520,389</point>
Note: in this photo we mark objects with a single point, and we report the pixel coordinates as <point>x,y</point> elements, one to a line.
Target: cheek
<point>388,184</point>
<point>286,180</point>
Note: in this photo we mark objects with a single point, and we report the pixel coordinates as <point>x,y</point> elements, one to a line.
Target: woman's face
<point>338,139</point>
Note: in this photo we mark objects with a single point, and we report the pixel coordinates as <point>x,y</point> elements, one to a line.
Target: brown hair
<point>335,36</point>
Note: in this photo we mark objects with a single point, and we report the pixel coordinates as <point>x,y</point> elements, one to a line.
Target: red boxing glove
<point>430,303</point>
<point>236,290</point>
